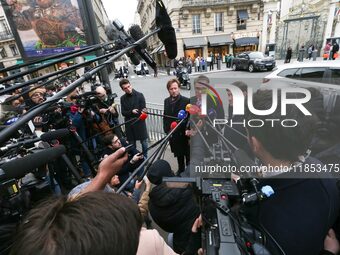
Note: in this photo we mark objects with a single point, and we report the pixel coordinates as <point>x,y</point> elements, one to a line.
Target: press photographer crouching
<point>297,218</point>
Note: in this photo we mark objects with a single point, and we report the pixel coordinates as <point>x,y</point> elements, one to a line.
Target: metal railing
<point>154,123</point>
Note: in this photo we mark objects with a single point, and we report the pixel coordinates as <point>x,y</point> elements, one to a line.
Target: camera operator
<point>135,158</point>
<point>296,219</point>
<point>108,109</point>
<point>173,209</point>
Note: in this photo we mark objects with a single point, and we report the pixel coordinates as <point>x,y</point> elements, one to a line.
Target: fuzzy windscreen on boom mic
<point>167,33</point>
<point>137,33</point>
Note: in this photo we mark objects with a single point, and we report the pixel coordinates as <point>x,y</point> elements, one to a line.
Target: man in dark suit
<point>179,142</point>
<point>132,105</point>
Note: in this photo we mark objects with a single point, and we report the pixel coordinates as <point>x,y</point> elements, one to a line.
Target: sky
<point>124,10</point>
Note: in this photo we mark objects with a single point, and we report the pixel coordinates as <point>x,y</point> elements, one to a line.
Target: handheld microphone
<point>167,33</point>
<point>20,167</point>
<point>137,33</point>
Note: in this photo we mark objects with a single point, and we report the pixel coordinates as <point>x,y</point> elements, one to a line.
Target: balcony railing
<point>5,36</point>
<point>200,3</point>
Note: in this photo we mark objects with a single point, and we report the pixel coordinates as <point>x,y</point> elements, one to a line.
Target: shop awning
<point>244,41</point>
<point>194,42</point>
<point>242,14</point>
<point>155,50</point>
<point>216,40</point>
<point>89,57</point>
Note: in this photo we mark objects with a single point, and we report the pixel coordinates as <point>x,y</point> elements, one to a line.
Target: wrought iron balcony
<point>6,36</point>
<point>209,3</point>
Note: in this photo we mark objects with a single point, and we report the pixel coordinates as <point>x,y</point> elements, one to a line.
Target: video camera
<point>225,230</point>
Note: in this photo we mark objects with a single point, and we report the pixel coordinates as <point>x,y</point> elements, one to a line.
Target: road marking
<point>132,76</point>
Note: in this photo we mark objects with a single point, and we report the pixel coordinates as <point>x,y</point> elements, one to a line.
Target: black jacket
<point>299,214</point>
<point>175,211</point>
<point>179,142</point>
<point>135,130</point>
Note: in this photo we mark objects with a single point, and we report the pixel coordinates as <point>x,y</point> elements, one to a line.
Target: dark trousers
<point>181,163</point>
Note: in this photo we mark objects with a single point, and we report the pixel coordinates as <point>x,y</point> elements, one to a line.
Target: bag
<point>325,55</point>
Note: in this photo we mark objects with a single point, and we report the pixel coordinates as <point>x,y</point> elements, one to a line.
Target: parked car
<point>142,69</point>
<point>253,61</point>
<point>322,75</point>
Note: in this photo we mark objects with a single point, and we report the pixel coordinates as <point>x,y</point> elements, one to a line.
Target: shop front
<point>220,44</point>
<point>193,47</point>
<point>245,44</point>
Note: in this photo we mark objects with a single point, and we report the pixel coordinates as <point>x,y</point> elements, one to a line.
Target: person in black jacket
<point>132,105</point>
<point>305,204</point>
<point>113,143</point>
<point>173,209</point>
<point>179,142</point>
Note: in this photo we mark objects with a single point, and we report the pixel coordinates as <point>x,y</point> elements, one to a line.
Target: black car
<point>253,61</point>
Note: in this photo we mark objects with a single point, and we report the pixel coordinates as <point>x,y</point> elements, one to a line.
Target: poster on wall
<point>45,27</point>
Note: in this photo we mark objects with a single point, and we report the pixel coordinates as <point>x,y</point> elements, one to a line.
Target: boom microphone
<point>113,34</point>
<point>46,137</point>
<point>167,33</point>
<point>56,134</point>
<point>136,34</point>
<point>18,168</point>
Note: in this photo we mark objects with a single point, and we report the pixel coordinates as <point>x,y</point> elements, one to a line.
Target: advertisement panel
<point>45,27</point>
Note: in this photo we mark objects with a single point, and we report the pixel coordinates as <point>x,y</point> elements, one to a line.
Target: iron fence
<point>154,123</point>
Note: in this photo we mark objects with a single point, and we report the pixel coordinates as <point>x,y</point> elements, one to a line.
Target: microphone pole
<point>35,80</point>
<point>134,173</point>
<point>10,99</point>
<point>6,133</point>
<point>76,54</point>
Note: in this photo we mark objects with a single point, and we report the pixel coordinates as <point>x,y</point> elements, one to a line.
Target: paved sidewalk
<point>224,68</point>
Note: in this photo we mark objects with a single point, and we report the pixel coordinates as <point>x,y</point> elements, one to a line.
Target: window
<point>3,52</point>
<point>312,73</point>
<point>196,24</point>
<point>335,76</point>
<point>288,73</point>
<point>14,50</point>
<point>219,22</point>
<point>242,16</point>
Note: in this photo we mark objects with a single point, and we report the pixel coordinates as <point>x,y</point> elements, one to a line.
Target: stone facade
<point>305,23</point>
<point>214,25</point>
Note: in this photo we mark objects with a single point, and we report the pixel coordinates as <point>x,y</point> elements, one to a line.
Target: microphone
<point>86,94</point>
<point>46,137</point>
<point>56,134</point>
<point>20,167</point>
<point>137,33</point>
<point>167,33</point>
<point>113,34</point>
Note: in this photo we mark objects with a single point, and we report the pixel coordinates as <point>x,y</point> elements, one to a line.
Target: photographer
<point>299,202</point>
<point>108,109</point>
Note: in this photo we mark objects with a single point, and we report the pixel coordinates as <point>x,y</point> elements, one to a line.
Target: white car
<point>322,75</point>
<point>138,69</point>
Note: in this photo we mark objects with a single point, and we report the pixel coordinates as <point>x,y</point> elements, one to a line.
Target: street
<point>154,89</point>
